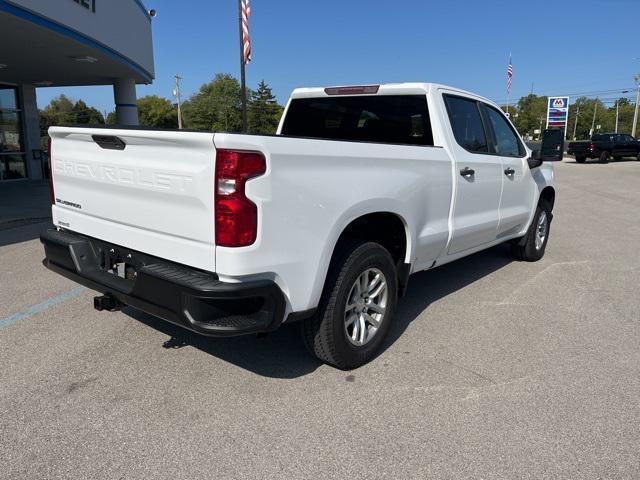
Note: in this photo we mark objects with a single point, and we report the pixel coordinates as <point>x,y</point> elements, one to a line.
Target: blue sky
<point>562,46</point>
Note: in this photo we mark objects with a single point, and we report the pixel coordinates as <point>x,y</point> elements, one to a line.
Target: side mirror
<point>535,160</point>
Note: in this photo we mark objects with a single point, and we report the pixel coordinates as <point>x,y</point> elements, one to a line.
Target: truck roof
<point>412,88</point>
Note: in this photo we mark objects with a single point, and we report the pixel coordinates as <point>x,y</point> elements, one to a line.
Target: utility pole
<point>177,95</point>
<point>540,129</point>
<point>593,124</point>
<point>617,113</point>
<point>635,115</point>
<point>575,125</point>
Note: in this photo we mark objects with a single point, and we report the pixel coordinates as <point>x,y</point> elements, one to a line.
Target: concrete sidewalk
<point>24,202</point>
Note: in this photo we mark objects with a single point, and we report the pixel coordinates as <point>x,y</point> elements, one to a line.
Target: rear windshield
<point>401,119</point>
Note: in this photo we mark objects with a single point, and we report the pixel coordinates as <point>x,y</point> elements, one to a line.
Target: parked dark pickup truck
<point>604,147</point>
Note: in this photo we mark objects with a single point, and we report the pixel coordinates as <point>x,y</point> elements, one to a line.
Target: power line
<point>593,93</point>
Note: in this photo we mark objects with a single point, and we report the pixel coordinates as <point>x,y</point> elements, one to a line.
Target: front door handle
<point>467,172</point>
<point>509,171</point>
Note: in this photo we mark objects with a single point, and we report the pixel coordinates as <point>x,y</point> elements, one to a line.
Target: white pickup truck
<point>322,223</point>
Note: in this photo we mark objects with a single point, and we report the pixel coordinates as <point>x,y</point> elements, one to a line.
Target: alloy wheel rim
<point>366,307</point>
<point>541,230</point>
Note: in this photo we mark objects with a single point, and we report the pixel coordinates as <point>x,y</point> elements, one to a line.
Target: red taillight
<point>52,195</point>
<point>236,215</point>
<point>591,146</point>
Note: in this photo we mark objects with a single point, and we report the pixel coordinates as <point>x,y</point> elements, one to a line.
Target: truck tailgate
<point>150,191</point>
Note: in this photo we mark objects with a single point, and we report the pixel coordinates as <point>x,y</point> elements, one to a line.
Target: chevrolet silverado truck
<point>604,147</point>
<point>323,223</point>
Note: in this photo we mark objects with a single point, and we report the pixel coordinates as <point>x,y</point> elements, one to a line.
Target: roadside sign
<point>558,113</point>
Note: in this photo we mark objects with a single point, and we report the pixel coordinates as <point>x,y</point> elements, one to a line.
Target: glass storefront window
<point>12,167</point>
<point>12,154</point>
<point>10,132</point>
<point>8,98</point>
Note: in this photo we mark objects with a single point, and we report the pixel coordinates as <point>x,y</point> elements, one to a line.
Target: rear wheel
<point>356,308</point>
<point>605,157</point>
<point>581,159</point>
<point>532,246</point>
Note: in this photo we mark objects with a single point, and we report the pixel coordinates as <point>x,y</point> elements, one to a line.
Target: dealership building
<point>59,43</point>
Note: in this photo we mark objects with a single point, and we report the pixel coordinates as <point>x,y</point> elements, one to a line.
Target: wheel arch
<point>388,228</point>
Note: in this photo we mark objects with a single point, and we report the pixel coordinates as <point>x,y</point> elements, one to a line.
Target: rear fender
<point>381,205</point>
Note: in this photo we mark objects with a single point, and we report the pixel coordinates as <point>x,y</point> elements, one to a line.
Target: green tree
<point>625,115</point>
<point>216,106</point>
<point>582,111</point>
<point>154,111</point>
<point>532,114</point>
<point>264,111</point>
<point>62,111</point>
<point>58,112</point>
<point>85,115</point>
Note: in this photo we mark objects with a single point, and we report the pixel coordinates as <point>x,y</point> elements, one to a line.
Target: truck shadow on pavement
<point>281,354</point>
<point>18,233</point>
<point>595,161</point>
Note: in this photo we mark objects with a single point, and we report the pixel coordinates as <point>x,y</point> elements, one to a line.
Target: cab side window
<point>467,125</point>
<point>506,141</point>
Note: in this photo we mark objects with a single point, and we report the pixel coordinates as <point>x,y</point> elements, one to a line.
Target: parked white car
<point>323,223</point>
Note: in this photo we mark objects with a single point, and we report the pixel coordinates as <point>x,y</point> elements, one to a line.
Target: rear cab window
<point>395,119</point>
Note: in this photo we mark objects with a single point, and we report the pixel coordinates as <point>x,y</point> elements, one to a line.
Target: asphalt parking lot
<point>494,369</point>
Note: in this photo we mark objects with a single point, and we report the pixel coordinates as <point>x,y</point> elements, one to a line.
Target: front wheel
<point>532,246</point>
<point>581,159</point>
<point>356,308</point>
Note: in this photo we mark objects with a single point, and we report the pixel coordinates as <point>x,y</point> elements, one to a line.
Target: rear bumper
<point>583,152</point>
<point>182,295</point>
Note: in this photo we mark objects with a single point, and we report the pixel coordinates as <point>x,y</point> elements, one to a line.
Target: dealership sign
<point>558,112</point>
<point>88,4</point>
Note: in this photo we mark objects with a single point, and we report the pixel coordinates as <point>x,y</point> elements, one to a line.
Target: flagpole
<point>243,79</point>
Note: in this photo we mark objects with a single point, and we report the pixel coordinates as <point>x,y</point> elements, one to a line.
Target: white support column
<point>124,92</point>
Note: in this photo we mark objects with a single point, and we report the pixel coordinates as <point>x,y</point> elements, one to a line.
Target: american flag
<point>246,40</point>
<point>509,76</point>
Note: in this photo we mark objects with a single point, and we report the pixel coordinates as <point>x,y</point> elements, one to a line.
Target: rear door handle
<point>467,172</point>
<point>509,171</point>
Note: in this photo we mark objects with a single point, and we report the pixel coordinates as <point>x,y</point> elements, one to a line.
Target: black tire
<point>581,159</point>
<point>325,334</point>
<point>525,248</point>
<point>605,157</point>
